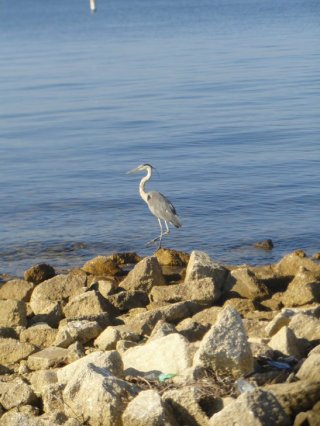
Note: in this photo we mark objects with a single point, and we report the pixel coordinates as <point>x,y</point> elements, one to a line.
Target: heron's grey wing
<point>162,208</point>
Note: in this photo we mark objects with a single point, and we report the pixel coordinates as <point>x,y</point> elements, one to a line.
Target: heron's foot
<point>153,241</point>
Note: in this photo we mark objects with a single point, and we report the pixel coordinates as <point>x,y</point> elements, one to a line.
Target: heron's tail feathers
<point>176,222</point>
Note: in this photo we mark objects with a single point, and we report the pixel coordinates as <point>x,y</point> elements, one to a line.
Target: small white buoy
<point>93,5</point>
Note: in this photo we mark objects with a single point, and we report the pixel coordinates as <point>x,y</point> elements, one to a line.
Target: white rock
<point>168,354</point>
<point>96,396</point>
<point>109,360</point>
<point>225,346</point>
<point>147,409</point>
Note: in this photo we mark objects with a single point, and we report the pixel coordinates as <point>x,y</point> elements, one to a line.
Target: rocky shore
<point>172,339</point>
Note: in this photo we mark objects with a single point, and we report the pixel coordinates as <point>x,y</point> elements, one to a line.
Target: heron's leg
<point>167,231</point>
<point>157,238</point>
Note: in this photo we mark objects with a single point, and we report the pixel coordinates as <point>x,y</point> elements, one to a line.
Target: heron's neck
<point>144,180</point>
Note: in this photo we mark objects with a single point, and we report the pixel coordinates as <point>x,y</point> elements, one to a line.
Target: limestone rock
<point>106,287</point>
<point>286,342</point>
<point>87,304</point>
<point>96,396</point>
<point>52,398</point>
<point>49,357</point>
<point>184,404</point>
<point>203,276</point>
<point>192,330</point>
<point>162,329</point>
<point>280,320</point>
<point>242,306</point>
<point>305,327</point>
<point>13,313</point>
<point>126,300</point>
<point>244,282</point>
<point>169,257</point>
<point>225,347</point>
<point>107,360</point>
<point>169,294</point>
<point>257,408</point>
<point>40,335</point>
<point>71,331</point>
<point>303,289</point>
<point>101,266</point>
<point>144,323</point>
<point>42,378</point>
<point>58,288</point>
<point>310,418</point>
<point>51,314</point>
<point>144,275</point>
<point>16,289</point>
<point>11,350</point>
<point>168,354</point>
<point>15,393</point>
<point>297,396</point>
<point>310,368</point>
<point>38,273</point>
<point>289,265</point>
<point>147,409</point>
<point>207,316</point>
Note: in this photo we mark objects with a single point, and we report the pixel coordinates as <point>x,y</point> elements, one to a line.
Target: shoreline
<point>178,331</point>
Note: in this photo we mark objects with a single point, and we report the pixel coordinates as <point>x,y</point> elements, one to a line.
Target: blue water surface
<point>221,96</point>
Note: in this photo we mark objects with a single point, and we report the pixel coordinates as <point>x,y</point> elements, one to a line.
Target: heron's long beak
<point>133,171</point>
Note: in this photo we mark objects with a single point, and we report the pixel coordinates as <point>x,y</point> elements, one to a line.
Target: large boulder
<point>168,354</point>
<point>204,277</point>
<point>290,264</point>
<point>13,313</point>
<point>258,408</point>
<point>169,257</point>
<point>16,289</point>
<point>286,342</point>
<point>305,326</point>
<point>60,287</point>
<point>146,274</point>
<point>225,346</point>
<point>310,369</point>
<point>147,409</point>
<point>97,396</point>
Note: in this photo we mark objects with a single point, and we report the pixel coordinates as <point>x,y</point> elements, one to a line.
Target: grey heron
<point>158,204</point>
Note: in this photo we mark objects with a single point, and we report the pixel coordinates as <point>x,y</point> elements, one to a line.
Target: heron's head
<point>141,168</point>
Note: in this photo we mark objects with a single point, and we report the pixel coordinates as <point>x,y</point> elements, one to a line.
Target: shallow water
<point>222,97</point>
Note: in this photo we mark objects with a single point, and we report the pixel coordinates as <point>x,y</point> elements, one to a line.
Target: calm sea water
<point>221,96</point>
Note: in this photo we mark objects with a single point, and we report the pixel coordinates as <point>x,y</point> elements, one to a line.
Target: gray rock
<point>168,354</point>
<point>243,281</point>
<point>16,289</point>
<point>225,347</point>
<point>40,335</point>
<point>13,313</point>
<point>42,378</point>
<point>47,358</point>
<point>96,396</point>
<point>78,330</point>
<point>146,274</point>
<point>110,361</point>
<point>185,405</point>
<point>204,277</point>
<point>295,397</point>
<point>286,342</point>
<point>257,408</point>
<point>147,409</point>
<point>84,305</point>
<point>303,289</point>
<point>309,368</point>
<point>60,287</point>
<point>11,350</point>
<point>16,392</point>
